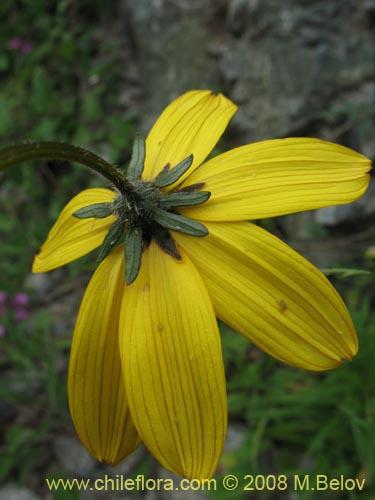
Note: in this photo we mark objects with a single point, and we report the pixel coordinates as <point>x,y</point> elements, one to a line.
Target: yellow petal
<point>97,398</point>
<point>70,238</point>
<point>191,124</point>
<point>273,296</point>
<point>279,177</point>
<point>172,362</point>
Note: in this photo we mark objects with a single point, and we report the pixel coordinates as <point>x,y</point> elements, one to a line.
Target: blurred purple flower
<point>26,47</point>
<point>20,314</point>
<point>20,300</point>
<point>18,304</point>
<point>18,44</point>
<point>15,43</point>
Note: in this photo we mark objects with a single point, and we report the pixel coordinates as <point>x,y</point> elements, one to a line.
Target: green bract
<point>145,211</point>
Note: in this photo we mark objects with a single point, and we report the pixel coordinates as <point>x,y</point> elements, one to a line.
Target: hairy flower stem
<point>18,153</point>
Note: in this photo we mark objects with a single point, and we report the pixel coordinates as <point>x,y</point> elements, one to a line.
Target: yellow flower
<point>146,362</point>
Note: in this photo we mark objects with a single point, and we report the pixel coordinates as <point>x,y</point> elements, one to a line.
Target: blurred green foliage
<point>64,88</point>
<point>345,116</point>
<point>32,392</point>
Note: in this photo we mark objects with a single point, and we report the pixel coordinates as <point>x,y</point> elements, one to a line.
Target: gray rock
<point>38,283</point>
<point>237,16</point>
<point>350,213</point>
<point>73,457</point>
<point>282,61</point>
<point>235,438</point>
<point>169,38</point>
<point>15,492</point>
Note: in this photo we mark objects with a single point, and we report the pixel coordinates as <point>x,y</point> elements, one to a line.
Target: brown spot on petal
<point>282,305</point>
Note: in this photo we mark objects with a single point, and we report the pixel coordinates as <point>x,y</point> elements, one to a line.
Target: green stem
<point>12,155</point>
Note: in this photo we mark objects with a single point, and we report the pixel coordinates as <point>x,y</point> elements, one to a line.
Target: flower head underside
<point>146,363</point>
